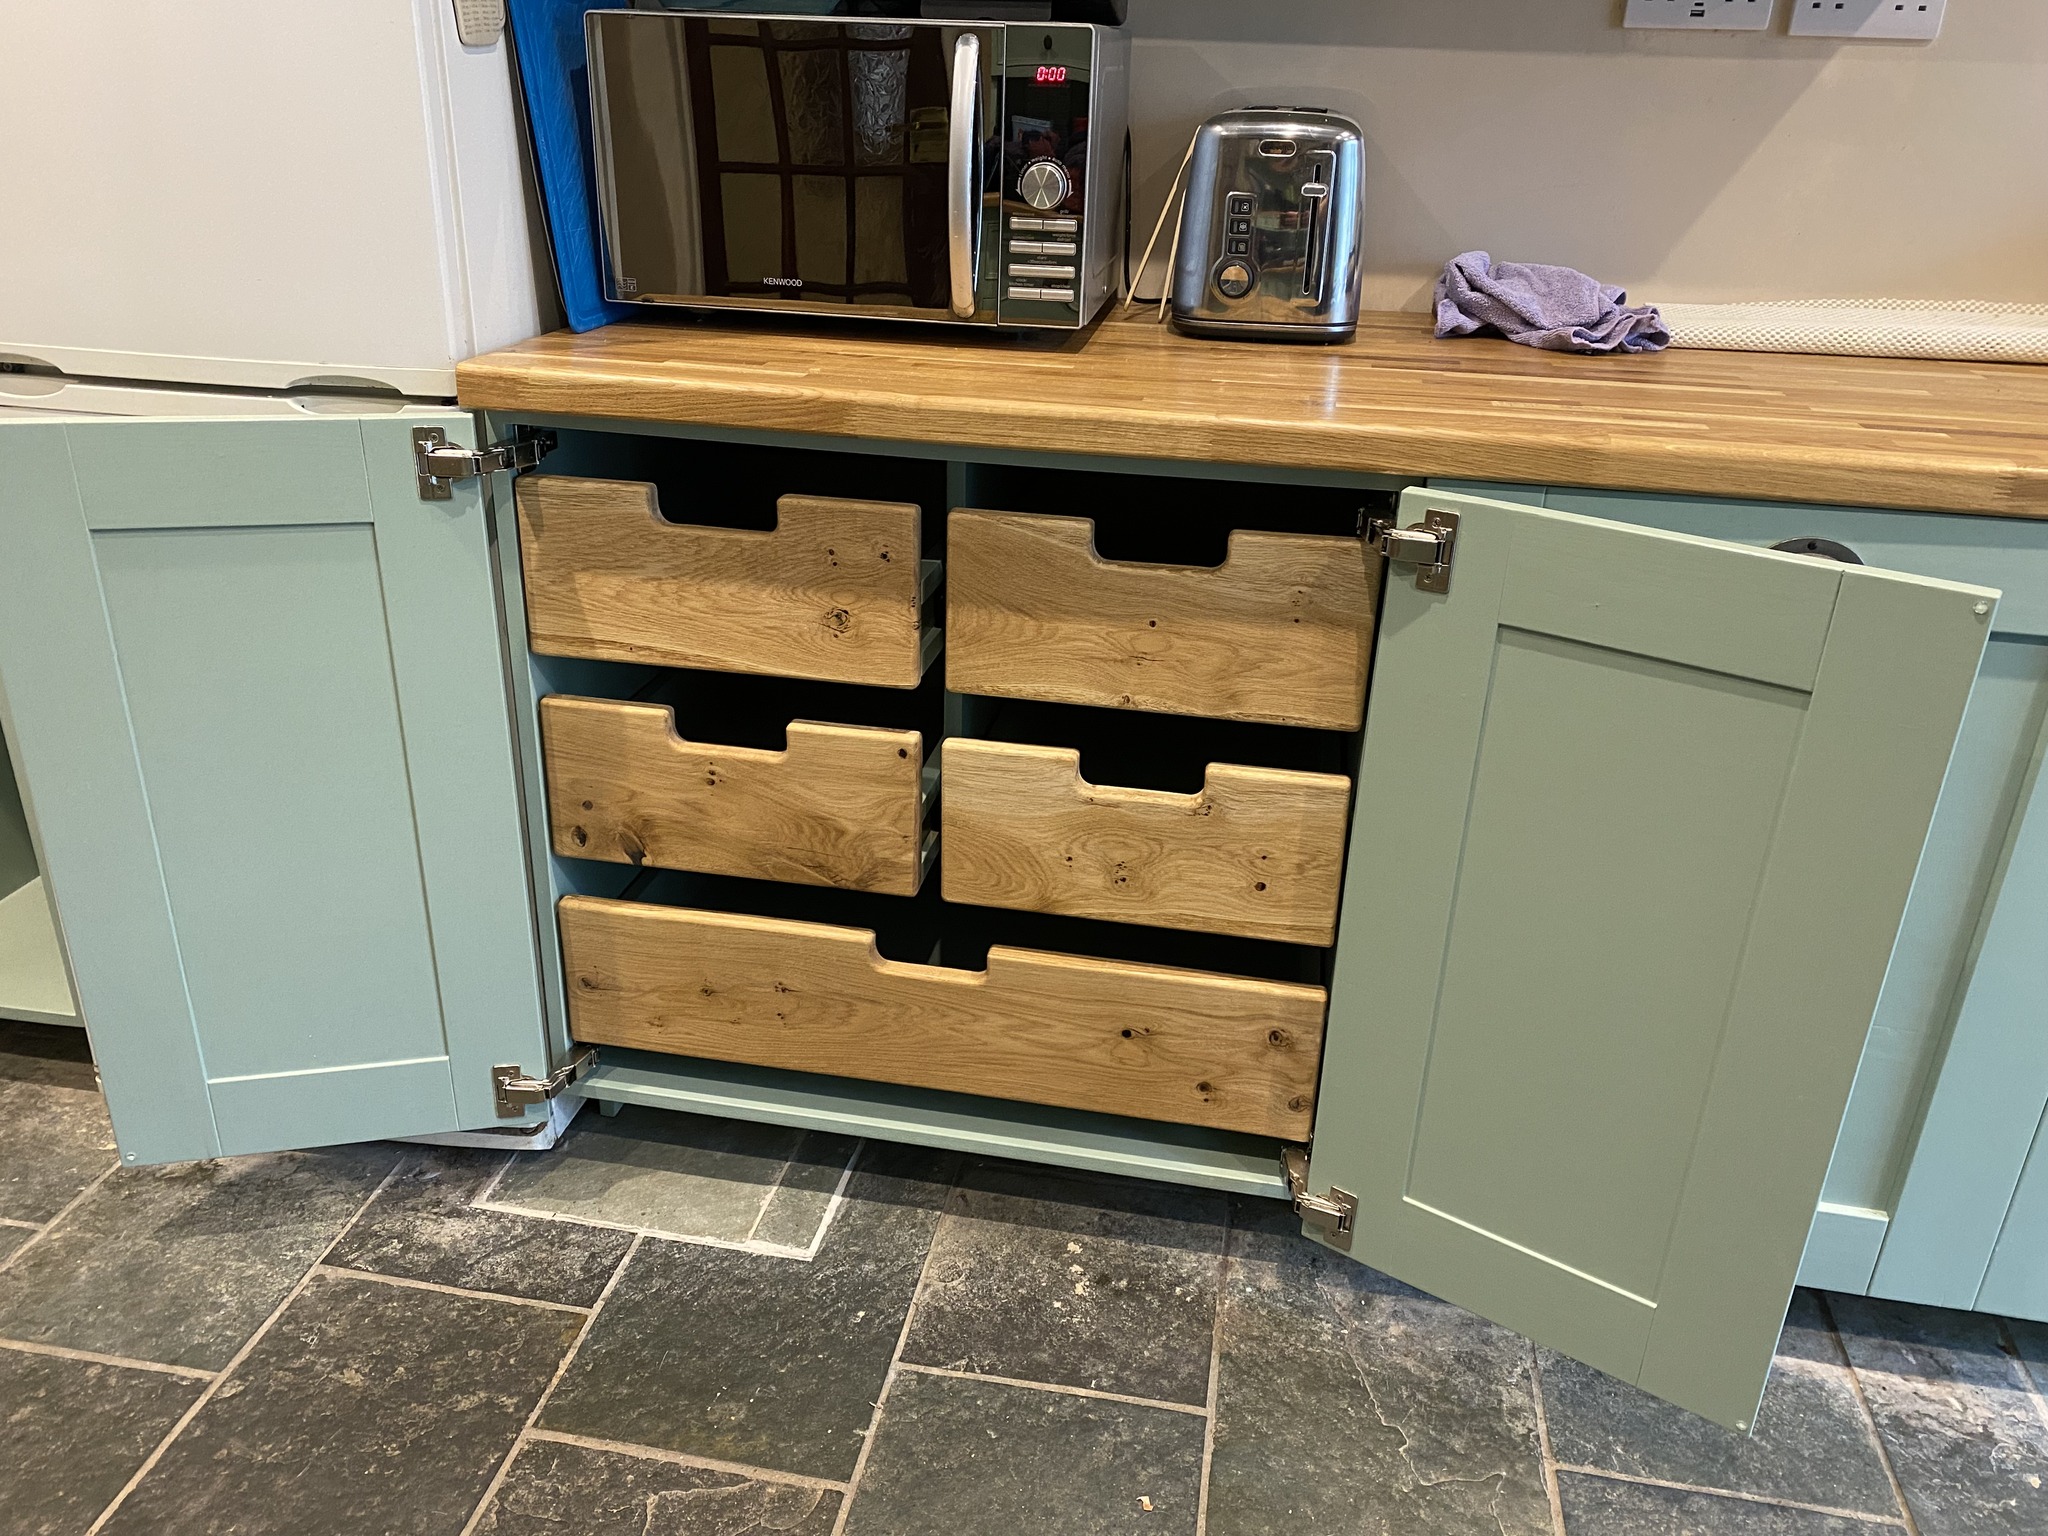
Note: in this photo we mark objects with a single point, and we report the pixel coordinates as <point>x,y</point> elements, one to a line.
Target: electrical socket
<point>1700,15</point>
<point>1919,20</point>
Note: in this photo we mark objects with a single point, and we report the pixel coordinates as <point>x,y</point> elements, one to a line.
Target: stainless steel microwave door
<point>800,163</point>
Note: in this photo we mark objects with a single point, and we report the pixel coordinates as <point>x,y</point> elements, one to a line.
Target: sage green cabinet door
<point>1637,817</point>
<point>257,691</point>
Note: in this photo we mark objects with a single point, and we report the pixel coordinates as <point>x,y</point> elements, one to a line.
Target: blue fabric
<point>1554,308</point>
<point>555,75</point>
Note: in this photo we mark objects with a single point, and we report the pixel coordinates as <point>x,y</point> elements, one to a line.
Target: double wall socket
<point>1915,19</point>
<point>1700,15</point>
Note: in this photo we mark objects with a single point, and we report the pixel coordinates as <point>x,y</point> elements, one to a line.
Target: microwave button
<point>1020,291</point>
<point>1240,226</point>
<point>1239,246</point>
<point>1039,272</point>
<point>1057,295</point>
<point>1028,223</point>
<point>1061,226</point>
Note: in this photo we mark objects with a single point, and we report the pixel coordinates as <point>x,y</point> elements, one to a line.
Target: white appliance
<point>267,197</point>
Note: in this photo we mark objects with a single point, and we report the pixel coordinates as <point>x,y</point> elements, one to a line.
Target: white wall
<point>1700,167</point>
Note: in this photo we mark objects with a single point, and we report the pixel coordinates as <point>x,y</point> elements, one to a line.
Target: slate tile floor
<point>676,1327</point>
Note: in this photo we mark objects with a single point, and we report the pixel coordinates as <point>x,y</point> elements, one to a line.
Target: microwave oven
<point>880,167</point>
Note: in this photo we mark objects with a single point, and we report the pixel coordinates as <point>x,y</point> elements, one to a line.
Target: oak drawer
<point>1257,852</point>
<point>834,591</point>
<point>1280,632</point>
<point>1148,1041</point>
<point>841,805</point>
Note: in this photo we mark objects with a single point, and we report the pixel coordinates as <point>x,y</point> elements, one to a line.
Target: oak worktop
<point>1881,432</point>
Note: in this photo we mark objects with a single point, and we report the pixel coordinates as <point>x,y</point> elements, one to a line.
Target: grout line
<point>482,1197</point>
<point>94,1357</point>
<point>681,1459</point>
<point>32,1226</point>
<point>519,1440</point>
<point>2026,1370</point>
<point>1884,1455</point>
<point>51,1225</point>
<point>344,1272</point>
<point>774,1188</point>
<point>1195,1410</point>
<point>867,1443</point>
<point>1730,1493</point>
<point>1215,1374</point>
<point>769,1250</point>
<point>1543,1446</point>
<point>248,1348</point>
<point>838,1201</point>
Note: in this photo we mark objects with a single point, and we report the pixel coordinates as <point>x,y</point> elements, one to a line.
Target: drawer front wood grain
<point>834,591</point>
<point>1147,1041</point>
<point>841,805</point>
<point>1280,632</point>
<point>1257,852</point>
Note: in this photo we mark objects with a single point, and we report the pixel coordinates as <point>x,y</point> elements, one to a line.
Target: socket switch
<point>1919,20</point>
<point>1700,15</point>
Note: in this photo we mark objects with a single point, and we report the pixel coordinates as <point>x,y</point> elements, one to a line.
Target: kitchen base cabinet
<point>34,985</point>
<point>1936,1189</point>
<point>1632,821</point>
<point>257,693</point>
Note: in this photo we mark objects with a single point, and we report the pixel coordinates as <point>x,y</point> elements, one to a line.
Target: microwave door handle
<point>963,175</point>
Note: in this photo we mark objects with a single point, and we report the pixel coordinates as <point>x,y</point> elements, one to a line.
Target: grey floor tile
<point>955,1455</point>
<point>798,1208</point>
<point>1964,1429</point>
<point>55,1137</point>
<point>762,1361</point>
<point>12,1238</point>
<point>1813,1443</point>
<point>683,1175</point>
<point>1349,1402</point>
<point>367,1408</point>
<point>1104,1283</point>
<point>181,1264</point>
<point>423,1226</point>
<point>72,1433</point>
<point>557,1489</point>
<point>1595,1506</point>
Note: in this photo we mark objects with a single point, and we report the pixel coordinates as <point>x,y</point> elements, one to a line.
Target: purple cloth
<point>1554,308</point>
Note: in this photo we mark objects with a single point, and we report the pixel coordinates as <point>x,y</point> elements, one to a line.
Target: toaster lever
<point>1316,193</point>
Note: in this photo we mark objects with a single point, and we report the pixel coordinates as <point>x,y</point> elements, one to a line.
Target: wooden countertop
<point>1954,437</point>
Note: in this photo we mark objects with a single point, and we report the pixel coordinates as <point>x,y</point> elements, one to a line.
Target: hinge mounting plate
<point>513,1091</point>
<point>438,463</point>
<point>1426,544</point>
<point>1335,1212</point>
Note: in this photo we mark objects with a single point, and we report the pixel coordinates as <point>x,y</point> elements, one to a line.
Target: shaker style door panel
<point>1954,1077</point>
<point>1637,818</point>
<point>258,693</point>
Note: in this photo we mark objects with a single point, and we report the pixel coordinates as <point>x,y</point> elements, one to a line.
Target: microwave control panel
<point>1047,75</point>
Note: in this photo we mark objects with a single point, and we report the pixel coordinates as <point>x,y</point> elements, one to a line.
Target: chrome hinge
<point>514,1090</point>
<point>1333,1212</point>
<point>1427,544</point>
<point>439,463</point>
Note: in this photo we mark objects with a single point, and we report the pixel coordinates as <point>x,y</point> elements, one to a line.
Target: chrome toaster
<point>1270,229</point>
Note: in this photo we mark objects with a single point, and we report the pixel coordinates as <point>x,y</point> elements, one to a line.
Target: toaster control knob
<point>1234,279</point>
<point>1044,184</point>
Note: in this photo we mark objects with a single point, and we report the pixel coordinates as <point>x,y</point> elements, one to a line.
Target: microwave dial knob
<point>1044,185</point>
<point>1234,279</point>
